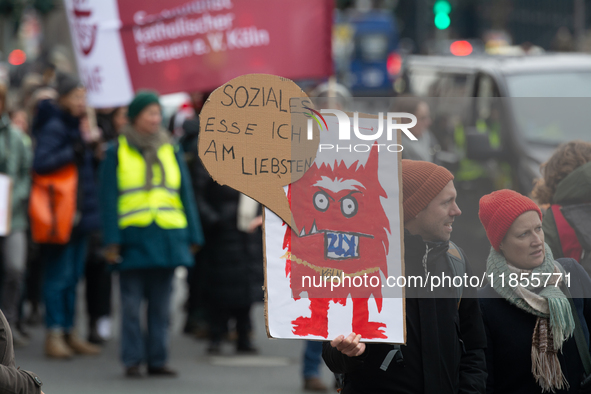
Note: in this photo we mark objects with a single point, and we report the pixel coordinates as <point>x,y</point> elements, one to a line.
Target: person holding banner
<point>59,145</point>
<point>150,228</point>
<point>444,351</point>
<point>536,341</point>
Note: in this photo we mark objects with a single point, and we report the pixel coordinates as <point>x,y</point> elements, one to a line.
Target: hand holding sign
<point>251,140</point>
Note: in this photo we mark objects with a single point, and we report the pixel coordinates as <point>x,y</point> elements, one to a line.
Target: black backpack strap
<point>457,261</point>
<point>394,354</point>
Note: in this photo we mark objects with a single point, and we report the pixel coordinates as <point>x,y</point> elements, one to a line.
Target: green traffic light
<point>441,7</point>
<point>442,21</point>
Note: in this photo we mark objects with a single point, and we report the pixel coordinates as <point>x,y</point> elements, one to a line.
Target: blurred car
<point>537,102</point>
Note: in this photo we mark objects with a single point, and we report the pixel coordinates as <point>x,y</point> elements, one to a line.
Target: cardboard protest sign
<point>6,186</point>
<point>172,46</point>
<point>254,140</point>
<point>329,278</point>
<point>325,271</point>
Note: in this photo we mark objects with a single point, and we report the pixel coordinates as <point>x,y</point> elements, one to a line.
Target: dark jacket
<point>509,335</point>
<point>574,189</point>
<point>151,246</point>
<point>12,379</point>
<point>232,259</point>
<point>188,144</point>
<point>444,351</point>
<point>58,143</point>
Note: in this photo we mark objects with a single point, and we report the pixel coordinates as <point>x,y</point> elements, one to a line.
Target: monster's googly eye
<point>349,206</point>
<point>321,202</point>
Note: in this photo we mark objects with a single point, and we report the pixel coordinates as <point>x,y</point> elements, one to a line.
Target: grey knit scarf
<point>148,145</point>
<point>555,323</point>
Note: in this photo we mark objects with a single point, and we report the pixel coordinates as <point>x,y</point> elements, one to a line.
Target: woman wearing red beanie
<point>525,307</point>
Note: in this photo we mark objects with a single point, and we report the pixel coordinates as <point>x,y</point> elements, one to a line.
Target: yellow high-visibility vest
<point>162,204</point>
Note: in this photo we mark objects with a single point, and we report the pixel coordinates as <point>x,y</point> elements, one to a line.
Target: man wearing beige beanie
<point>445,340</point>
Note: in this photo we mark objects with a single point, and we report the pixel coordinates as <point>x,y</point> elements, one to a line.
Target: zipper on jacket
<point>427,250</point>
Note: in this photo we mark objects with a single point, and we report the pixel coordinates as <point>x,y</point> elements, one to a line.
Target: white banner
<point>94,26</point>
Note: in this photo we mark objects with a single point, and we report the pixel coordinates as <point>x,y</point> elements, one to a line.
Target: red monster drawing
<point>343,233</point>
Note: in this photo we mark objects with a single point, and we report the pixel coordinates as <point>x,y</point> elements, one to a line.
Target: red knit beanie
<point>499,210</point>
<point>421,183</point>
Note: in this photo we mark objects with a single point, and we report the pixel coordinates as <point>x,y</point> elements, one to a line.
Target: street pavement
<point>276,369</point>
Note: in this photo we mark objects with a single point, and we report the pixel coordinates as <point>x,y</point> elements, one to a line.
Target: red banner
<point>180,45</point>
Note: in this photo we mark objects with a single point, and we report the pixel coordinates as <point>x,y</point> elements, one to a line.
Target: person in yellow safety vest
<point>150,227</point>
<point>471,170</point>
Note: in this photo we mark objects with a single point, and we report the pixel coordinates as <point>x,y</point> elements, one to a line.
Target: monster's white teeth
<point>314,230</point>
<point>303,232</point>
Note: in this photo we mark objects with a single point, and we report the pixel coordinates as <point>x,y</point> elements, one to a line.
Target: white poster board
<point>95,29</point>
<point>5,204</point>
<point>363,185</point>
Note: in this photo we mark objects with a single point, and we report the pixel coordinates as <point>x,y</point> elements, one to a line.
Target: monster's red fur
<point>307,255</point>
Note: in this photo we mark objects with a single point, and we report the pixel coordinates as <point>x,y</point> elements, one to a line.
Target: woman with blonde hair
<point>536,311</point>
<point>566,186</point>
